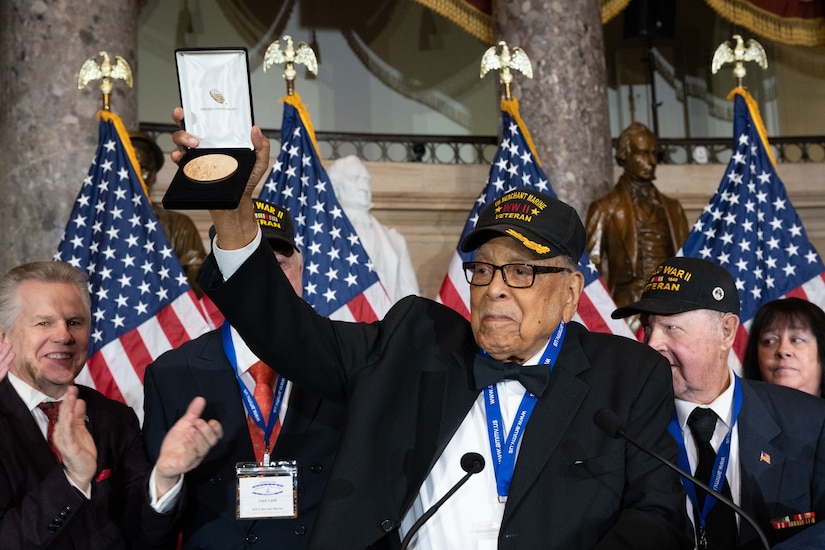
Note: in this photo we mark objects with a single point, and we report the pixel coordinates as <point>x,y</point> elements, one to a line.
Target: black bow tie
<point>488,371</point>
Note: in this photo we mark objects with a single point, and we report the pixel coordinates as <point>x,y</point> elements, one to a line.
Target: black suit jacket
<point>309,435</point>
<point>781,458</point>
<point>408,384</point>
<point>40,509</point>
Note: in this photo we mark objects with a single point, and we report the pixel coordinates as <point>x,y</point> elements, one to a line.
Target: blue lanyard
<point>720,465</point>
<point>249,400</point>
<point>503,449</point>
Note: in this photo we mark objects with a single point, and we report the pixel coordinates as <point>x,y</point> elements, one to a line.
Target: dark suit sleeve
<point>124,493</point>
<point>282,329</point>
<point>155,424</point>
<point>653,515</point>
<point>42,515</point>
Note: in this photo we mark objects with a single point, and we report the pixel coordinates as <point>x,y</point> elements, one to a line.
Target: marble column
<point>49,129</point>
<point>565,104</point>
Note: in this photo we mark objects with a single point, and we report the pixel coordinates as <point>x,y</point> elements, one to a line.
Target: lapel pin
<point>764,457</point>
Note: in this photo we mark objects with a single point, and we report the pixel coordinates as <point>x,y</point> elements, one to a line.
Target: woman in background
<point>786,345</point>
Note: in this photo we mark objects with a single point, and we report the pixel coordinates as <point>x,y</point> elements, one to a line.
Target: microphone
<point>472,463</point>
<point>610,423</point>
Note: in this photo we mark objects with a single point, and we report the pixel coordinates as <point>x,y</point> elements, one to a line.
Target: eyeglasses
<point>514,275</point>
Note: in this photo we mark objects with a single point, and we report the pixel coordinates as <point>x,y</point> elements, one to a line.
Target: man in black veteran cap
<point>302,426</point>
<point>761,443</point>
<point>519,384</point>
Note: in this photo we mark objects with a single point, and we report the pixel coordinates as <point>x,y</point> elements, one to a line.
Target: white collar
<point>31,396</point>
<point>722,406</point>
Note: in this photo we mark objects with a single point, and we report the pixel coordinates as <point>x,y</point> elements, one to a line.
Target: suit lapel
<point>551,418</point>
<point>438,417</point>
<point>23,432</point>
<point>215,378</point>
<point>760,463</point>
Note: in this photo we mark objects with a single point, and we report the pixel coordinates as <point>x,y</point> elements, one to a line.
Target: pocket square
<point>104,474</point>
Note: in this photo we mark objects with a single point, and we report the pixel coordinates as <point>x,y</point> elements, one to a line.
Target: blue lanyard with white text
<point>505,455</point>
<point>249,400</point>
<point>720,465</point>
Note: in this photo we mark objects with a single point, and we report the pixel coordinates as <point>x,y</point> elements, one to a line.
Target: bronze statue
<point>634,228</point>
<point>179,228</point>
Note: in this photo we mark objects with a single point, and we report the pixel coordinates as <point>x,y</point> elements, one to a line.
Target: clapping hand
<point>74,442</point>
<point>185,446</point>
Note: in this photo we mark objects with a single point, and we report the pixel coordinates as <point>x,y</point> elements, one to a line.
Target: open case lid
<point>216,95</point>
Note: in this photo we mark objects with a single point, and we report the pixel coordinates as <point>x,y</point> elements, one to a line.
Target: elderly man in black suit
<point>760,443</point>
<point>423,386</point>
<point>73,471</point>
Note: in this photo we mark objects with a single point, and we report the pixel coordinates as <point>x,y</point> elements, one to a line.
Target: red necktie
<point>264,378</point>
<point>52,410</point>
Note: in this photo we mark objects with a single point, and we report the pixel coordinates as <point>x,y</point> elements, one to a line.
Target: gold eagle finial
<point>739,54</point>
<point>106,72</point>
<point>504,61</point>
<point>288,57</point>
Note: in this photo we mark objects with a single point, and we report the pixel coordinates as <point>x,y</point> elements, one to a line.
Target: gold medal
<point>210,168</point>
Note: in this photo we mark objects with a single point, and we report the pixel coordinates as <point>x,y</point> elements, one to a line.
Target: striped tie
<point>52,410</point>
<point>264,378</point>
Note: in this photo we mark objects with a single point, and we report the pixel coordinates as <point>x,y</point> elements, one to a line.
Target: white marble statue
<point>386,247</point>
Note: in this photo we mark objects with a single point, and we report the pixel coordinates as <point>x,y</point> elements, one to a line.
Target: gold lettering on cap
<point>673,274</point>
<point>662,286</point>
<point>522,195</point>
<point>514,216</point>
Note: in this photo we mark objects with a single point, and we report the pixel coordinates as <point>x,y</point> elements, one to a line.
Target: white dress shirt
<point>723,407</point>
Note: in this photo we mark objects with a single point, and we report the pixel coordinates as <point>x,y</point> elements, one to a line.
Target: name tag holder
<point>267,492</point>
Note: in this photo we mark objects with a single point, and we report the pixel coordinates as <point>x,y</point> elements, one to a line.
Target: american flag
<point>339,279</point>
<point>142,304</point>
<point>515,166</point>
<point>751,228</point>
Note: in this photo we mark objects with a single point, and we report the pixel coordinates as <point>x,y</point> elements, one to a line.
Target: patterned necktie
<point>264,378</point>
<point>52,410</point>
<point>721,530</point>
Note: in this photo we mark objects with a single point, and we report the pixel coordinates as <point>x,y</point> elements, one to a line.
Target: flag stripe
<point>101,377</point>
<point>136,351</point>
<point>361,309</point>
<point>450,297</point>
<point>211,311</point>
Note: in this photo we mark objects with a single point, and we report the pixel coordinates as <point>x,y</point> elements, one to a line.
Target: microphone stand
<point>610,419</point>
<point>472,463</point>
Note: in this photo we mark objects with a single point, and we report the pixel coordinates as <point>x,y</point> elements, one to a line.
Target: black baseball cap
<point>685,284</point>
<point>541,223</point>
<point>276,226</point>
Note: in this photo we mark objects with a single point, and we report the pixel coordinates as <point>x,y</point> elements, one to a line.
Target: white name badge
<point>267,491</point>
